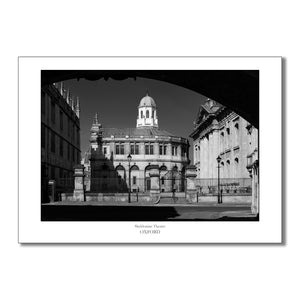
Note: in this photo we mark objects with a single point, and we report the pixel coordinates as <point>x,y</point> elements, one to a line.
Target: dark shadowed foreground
<point>146,213</point>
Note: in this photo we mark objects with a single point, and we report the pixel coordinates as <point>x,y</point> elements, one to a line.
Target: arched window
<point>134,168</point>
<point>163,168</point>
<point>147,113</point>
<point>121,171</point>
<point>120,168</point>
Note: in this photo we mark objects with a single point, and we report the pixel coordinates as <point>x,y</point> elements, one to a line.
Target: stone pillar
<point>191,190</point>
<point>156,148</point>
<point>179,150</point>
<point>154,188</point>
<point>169,149</point>
<point>255,188</point>
<point>202,163</point>
<point>52,190</point>
<point>79,193</point>
<point>215,153</point>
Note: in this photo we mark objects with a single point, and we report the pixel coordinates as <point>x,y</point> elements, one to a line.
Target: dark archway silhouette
<point>236,89</point>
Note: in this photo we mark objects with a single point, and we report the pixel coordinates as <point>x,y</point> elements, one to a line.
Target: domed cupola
<point>147,101</point>
<point>147,115</point>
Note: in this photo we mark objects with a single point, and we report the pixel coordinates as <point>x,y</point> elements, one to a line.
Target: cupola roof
<point>147,101</point>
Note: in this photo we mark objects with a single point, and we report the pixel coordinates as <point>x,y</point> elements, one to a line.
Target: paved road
<point>71,212</point>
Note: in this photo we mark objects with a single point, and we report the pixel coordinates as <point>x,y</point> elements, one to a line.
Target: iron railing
<point>227,185</point>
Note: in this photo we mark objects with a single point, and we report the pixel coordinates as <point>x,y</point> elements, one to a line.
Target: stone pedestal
<point>79,193</point>
<point>191,190</point>
<point>255,188</point>
<point>154,187</point>
<point>52,190</point>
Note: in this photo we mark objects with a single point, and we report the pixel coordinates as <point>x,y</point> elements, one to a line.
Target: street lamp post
<point>129,179</point>
<point>219,197</point>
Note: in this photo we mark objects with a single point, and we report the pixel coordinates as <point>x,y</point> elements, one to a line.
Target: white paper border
<point>267,230</point>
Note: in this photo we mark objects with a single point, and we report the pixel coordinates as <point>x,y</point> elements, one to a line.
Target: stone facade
<point>219,131</point>
<point>60,137</point>
<point>147,145</point>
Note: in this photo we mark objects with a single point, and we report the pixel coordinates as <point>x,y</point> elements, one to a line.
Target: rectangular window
<point>68,151</point>
<point>61,120</point>
<point>162,149</point>
<point>120,148</point>
<point>73,154</point>
<point>52,142</point>
<point>43,136</point>
<point>61,147</point>
<point>174,150</point>
<point>52,112</point>
<point>134,180</point>
<point>236,133</point>
<point>43,104</point>
<point>134,149</point>
<point>52,173</point>
<point>151,149</point>
<point>78,137</point>
<point>69,127</point>
<point>147,149</point>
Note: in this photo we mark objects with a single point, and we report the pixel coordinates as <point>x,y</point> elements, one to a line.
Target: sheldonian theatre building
<point>121,159</point>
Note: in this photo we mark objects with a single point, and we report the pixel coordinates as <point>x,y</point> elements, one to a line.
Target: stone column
<point>215,153</point>
<point>202,163</point>
<point>79,194</point>
<point>156,149</point>
<point>191,190</point>
<point>169,149</point>
<point>52,190</point>
<point>255,188</point>
<point>154,188</point>
<point>179,150</point>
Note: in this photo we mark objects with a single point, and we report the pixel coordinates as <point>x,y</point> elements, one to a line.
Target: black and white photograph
<point>149,149</point>
<point>150,145</point>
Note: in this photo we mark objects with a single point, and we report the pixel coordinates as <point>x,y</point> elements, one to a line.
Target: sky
<point>116,102</point>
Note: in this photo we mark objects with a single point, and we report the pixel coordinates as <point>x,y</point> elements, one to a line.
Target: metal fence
<point>141,185</point>
<point>227,185</point>
<point>167,184</point>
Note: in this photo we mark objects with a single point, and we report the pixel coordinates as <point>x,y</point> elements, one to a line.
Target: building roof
<point>135,132</point>
<point>147,101</point>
